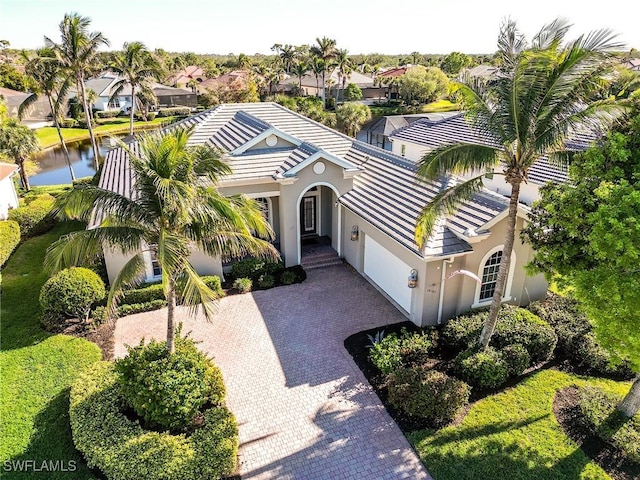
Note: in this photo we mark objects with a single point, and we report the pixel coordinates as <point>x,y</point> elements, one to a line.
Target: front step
<point>321,259</point>
<point>328,263</point>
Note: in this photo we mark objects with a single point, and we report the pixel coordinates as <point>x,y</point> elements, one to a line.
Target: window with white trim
<point>490,276</point>
<point>156,269</point>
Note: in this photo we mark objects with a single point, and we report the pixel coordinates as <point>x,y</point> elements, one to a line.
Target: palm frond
<point>551,34</point>
<point>230,245</point>
<point>131,275</point>
<point>447,203</point>
<point>195,294</point>
<point>456,158</point>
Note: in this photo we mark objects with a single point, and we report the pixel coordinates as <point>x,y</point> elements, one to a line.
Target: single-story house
<point>105,86</point>
<point>8,194</point>
<point>312,86</point>
<point>182,78</point>
<point>316,181</point>
<point>38,112</point>
<point>632,64</point>
<point>423,135</point>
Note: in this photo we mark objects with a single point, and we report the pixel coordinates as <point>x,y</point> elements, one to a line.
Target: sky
<point>253,26</point>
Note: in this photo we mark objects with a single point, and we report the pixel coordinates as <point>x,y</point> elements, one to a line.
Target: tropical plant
<point>18,143</point>
<point>53,82</point>
<point>423,84</point>
<point>137,67</point>
<point>325,50</point>
<point>287,54</point>
<point>541,96</point>
<point>76,52</point>
<point>174,209</point>
<point>300,68</point>
<point>345,67</point>
<point>351,117</point>
<point>318,67</point>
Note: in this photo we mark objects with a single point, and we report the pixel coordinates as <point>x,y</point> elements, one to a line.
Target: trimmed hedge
<point>599,410</point>
<point>517,359</point>
<point>168,390</point>
<point>485,369</point>
<point>131,308</point>
<point>122,449</point>
<point>174,111</point>
<point>288,277</point>
<point>429,394</point>
<point>393,352</point>
<point>70,294</point>
<point>34,218</point>
<point>9,239</point>
<point>515,326</point>
<point>106,113</point>
<point>140,295</point>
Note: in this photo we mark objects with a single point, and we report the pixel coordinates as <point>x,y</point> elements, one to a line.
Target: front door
<point>308,224</point>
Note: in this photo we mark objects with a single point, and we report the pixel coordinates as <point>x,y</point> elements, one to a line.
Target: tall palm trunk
<point>503,271</point>
<point>23,175</point>
<point>317,84</point>
<point>171,330</point>
<point>87,116</point>
<point>64,145</point>
<point>133,103</point>
<point>630,404</point>
<point>324,91</point>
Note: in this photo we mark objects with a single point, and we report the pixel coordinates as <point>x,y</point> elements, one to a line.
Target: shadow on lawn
<point>50,442</point>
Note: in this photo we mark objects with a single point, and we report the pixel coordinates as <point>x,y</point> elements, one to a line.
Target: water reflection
<point>53,165</point>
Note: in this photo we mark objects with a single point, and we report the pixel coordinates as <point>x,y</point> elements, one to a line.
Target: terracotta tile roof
<point>7,169</point>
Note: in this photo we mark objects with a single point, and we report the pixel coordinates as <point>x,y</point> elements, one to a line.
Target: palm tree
<point>92,96</point>
<point>351,116</point>
<point>76,52</point>
<point>137,67</point>
<point>318,67</point>
<point>47,73</point>
<point>542,94</point>
<point>344,68</point>
<point>326,51</point>
<point>287,54</point>
<point>300,68</point>
<point>18,142</point>
<point>177,206</point>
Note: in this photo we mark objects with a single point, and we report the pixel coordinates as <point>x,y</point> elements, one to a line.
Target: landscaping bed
<point>566,408</point>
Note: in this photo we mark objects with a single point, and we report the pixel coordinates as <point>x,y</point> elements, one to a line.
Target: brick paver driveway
<point>304,409</point>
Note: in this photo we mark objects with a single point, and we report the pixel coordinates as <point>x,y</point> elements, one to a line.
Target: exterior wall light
<point>355,233</point>
<point>413,278</point>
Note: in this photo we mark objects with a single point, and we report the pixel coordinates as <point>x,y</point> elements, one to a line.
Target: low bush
<point>243,285</point>
<point>426,393</point>
<point>122,449</point>
<point>69,123</point>
<point>70,294</point>
<point>34,217</point>
<point>144,294</point>
<point>565,317</point>
<point>514,326</point>
<point>266,281</point>
<point>517,359</point>
<point>393,352</point>
<point>485,369</point>
<point>214,283</point>
<point>99,315</point>
<point>106,113</point>
<point>585,352</point>
<point>9,239</point>
<point>78,182</point>
<point>174,111</point>
<point>169,390</point>
<point>288,277</point>
<point>131,308</point>
<point>82,123</point>
<point>599,410</point>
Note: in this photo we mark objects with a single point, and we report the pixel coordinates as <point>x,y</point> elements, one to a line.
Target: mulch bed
<point>613,461</point>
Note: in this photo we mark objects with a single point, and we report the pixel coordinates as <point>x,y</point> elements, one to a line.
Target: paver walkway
<point>304,409</point>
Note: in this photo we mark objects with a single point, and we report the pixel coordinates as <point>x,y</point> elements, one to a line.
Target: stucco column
<point>288,203</point>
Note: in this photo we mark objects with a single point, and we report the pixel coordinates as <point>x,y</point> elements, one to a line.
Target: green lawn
<point>439,106</point>
<point>37,368</point>
<point>512,435</point>
<point>48,136</point>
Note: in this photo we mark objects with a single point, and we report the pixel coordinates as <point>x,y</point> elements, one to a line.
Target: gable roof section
<point>7,169</point>
<point>434,133</point>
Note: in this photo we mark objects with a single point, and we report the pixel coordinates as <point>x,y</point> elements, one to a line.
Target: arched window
<point>490,276</point>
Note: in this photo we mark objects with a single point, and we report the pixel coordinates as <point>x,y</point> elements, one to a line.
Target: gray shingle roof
<point>434,133</point>
<point>385,193</point>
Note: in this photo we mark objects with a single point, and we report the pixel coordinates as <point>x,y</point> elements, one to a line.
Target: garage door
<point>388,272</point>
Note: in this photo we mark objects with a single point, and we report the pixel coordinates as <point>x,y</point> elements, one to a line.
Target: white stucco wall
<point>8,197</point>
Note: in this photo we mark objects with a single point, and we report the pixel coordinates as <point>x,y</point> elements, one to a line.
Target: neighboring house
<point>183,77</point>
<point>389,80</point>
<point>38,112</point>
<point>8,195</point>
<point>423,135</point>
<point>632,64</point>
<point>235,78</point>
<point>105,86</point>
<point>378,132</point>
<point>318,182</point>
<point>313,87</point>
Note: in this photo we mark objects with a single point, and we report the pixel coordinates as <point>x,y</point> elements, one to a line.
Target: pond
<point>53,165</point>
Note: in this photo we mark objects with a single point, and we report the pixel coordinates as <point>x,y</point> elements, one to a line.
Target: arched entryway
<point>318,219</point>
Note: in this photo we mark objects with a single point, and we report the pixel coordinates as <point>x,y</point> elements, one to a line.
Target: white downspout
<point>442,280</point>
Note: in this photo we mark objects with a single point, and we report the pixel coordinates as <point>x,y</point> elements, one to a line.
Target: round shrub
<point>9,239</point>
<point>585,352</point>
<point>266,281</point>
<point>517,359</point>
<point>243,285</point>
<point>34,218</point>
<point>288,277</point>
<point>484,369</point>
<point>462,332</point>
<point>122,449</point>
<point>214,284</point>
<point>70,294</point>
<point>426,393</point>
<point>392,352</point>
<point>169,390</point>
